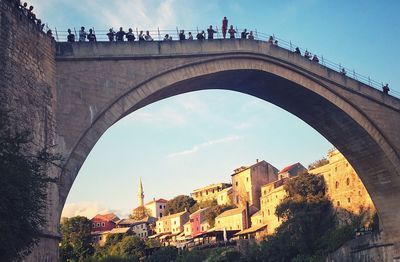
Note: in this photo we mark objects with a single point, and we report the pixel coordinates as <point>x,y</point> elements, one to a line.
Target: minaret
<point>140,194</point>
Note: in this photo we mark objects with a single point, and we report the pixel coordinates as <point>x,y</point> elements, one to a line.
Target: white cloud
<point>88,209</point>
<point>196,148</point>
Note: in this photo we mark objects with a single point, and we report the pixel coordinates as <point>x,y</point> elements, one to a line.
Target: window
<point>269,213</point>
<point>206,192</point>
<point>237,183</point>
<point>160,215</point>
<point>347,164</point>
<point>265,192</point>
<point>247,179</point>
<point>202,228</point>
<point>348,181</point>
<point>336,184</point>
<point>359,193</point>
<point>222,198</point>
<point>103,224</point>
<point>100,238</point>
<point>263,213</point>
<point>237,199</point>
<point>335,169</point>
<point>93,225</point>
<point>174,222</point>
<point>160,206</point>
<point>98,224</point>
<point>338,203</point>
<point>348,200</point>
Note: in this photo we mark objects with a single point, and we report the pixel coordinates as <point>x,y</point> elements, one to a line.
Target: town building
<point>104,222</point>
<point>247,182</point>
<point>100,237</point>
<point>291,171</point>
<point>208,193</point>
<point>225,196</point>
<point>235,219</point>
<point>271,196</point>
<point>344,187</point>
<point>172,223</point>
<point>156,207</point>
<point>141,228</point>
<point>198,222</point>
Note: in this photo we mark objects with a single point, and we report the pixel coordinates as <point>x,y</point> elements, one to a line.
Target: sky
<point>192,140</point>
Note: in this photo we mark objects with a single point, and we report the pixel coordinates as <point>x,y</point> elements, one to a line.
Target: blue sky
<point>189,141</point>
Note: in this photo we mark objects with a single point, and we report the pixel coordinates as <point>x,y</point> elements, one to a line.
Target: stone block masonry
<point>27,90</point>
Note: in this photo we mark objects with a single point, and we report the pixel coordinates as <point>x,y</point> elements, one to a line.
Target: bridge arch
<point>336,109</point>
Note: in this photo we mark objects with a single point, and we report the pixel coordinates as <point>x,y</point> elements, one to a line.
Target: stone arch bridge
<point>98,84</point>
<point>70,94</point>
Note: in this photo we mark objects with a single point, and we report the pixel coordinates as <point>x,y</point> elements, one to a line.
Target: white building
<point>156,207</point>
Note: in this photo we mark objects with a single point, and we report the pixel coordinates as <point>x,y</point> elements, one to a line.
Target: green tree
<point>163,254</point>
<point>129,247</point>
<point>308,218</point>
<point>178,204</point>
<point>203,204</point>
<point>22,190</point>
<point>140,213</point>
<point>76,238</point>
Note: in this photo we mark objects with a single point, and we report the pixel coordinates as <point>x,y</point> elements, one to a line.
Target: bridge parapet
<point>117,51</point>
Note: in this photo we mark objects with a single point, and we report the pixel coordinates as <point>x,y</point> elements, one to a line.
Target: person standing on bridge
<point>244,34</point>
<point>297,51</point>
<point>70,37</point>
<point>190,37</point>
<point>148,37</point>
<point>210,32</point>
<point>182,35</point>
<point>224,26</point>
<point>385,89</point>
<point>251,36</point>
<point>130,35</point>
<point>141,36</point>
<point>111,35</point>
<point>120,35</point>
<point>91,36</point>
<point>200,35</point>
<point>82,35</point>
<point>232,32</point>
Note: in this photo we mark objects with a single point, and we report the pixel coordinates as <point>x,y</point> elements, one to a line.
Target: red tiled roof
<point>106,217</point>
<point>162,200</point>
<point>288,168</point>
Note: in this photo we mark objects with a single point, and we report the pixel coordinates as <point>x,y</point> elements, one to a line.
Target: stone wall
<point>27,90</point>
<point>367,248</point>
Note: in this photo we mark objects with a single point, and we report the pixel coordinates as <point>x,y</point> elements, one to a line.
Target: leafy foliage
<point>129,247</point>
<point>318,163</point>
<point>22,190</point>
<point>140,213</point>
<point>76,238</point>
<point>203,204</point>
<point>308,219</point>
<point>164,254</point>
<point>178,204</point>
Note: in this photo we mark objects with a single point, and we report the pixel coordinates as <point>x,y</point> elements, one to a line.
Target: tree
<point>140,213</point>
<point>129,247</point>
<point>203,204</point>
<point>178,204</point>
<point>22,190</point>
<point>318,163</point>
<point>308,217</point>
<point>76,238</point>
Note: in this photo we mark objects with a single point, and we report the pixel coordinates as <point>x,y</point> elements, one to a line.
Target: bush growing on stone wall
<point>22,190</point>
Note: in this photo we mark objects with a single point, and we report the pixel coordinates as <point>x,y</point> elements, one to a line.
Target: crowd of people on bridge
<point>26,11</point>
<point>121,35</point>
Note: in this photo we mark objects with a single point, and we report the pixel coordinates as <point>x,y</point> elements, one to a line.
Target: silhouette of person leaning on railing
<point>385,89</point>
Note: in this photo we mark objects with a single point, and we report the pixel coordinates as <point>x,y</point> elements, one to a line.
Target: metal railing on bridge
<point>158,35</point>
